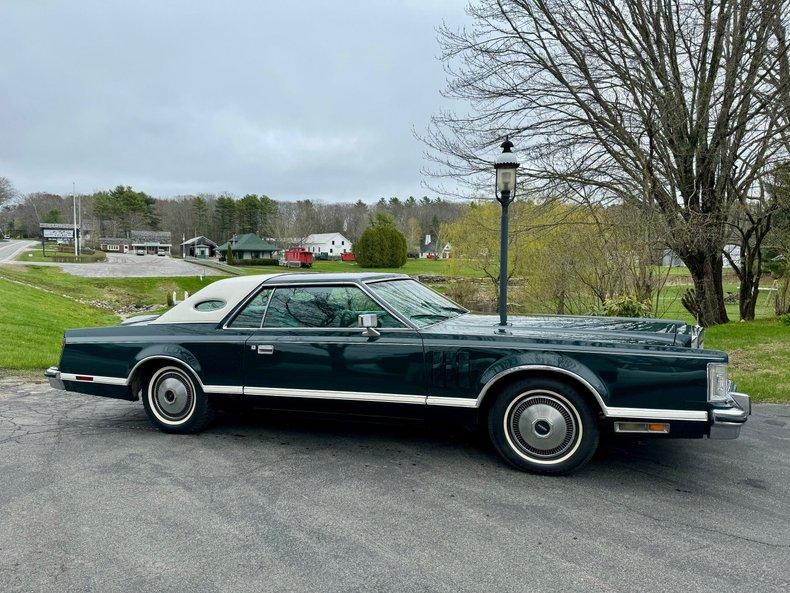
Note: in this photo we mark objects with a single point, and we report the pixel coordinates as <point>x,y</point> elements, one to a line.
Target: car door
<point>309,346</point>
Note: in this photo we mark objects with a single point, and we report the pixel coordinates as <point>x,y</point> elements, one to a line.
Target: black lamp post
<point>505,191</point>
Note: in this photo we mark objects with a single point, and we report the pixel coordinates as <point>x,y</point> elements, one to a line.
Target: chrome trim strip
<point>550,348</point>
<point>389,279</point>
<point>657,414</point>
<point>94,379</point>
<point>164,357</point>
<point>540,367</point>
<point>455,402</point>
<point>224,389</point>
<point>393,398</point>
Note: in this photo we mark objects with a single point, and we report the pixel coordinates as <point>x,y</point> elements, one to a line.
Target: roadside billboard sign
<point>58,233</point>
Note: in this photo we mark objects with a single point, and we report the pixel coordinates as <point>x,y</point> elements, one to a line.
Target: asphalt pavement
<point>125,265</point>
<point>10,249</point>
<point>94,499</point>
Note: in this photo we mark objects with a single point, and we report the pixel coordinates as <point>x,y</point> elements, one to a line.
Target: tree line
<point>115,212</point>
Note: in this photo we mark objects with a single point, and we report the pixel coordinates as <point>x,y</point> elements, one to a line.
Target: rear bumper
<point>726,422</point>
<point>53,375</point>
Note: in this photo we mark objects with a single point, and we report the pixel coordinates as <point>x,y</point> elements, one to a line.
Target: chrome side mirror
<point>368,322</point>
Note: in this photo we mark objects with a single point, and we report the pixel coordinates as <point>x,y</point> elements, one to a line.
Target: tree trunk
<point>749,275</point>
<point>747,296</point>
<point>561,303</point>
<point>707,302</point>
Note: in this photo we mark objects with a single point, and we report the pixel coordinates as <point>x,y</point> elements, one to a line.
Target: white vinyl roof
<point>229,290</point>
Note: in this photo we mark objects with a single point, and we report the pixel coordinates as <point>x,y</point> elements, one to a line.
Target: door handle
<point>265,349</point>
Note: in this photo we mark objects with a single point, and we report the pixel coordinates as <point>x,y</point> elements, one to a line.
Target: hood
<point>621,330</point>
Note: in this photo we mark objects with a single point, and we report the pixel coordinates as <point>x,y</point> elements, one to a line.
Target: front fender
<point>546,362</point>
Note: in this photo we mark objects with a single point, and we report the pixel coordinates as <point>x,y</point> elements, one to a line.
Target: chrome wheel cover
<point>171,395</point>
<point>543,427</point>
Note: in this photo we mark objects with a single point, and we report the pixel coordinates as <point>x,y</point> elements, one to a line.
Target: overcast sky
<point>299,99</point>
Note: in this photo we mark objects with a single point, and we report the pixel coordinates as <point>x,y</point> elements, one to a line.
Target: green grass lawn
<point>759,357</point>
<point>669,304</point>
<point>117,292</point>
<point>35,255</point>
<point>32,323</point>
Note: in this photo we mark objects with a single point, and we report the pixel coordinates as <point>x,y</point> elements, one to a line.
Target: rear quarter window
<point>210,305</point>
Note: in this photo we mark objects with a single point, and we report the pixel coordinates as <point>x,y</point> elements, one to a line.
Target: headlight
<point>718,385</point>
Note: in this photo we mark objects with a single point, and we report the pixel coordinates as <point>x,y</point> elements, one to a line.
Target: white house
<point>430,250</point>
<point>333,244</point>
<point>670,258</point>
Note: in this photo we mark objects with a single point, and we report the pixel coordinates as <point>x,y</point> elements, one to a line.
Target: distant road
<point>118,265</point>
<point>9,250</point>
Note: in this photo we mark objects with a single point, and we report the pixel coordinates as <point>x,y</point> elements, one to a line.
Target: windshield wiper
<point>430,315</point>
<point>455,309</point>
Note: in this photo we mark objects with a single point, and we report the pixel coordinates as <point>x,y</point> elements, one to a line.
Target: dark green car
<point>546,387</point>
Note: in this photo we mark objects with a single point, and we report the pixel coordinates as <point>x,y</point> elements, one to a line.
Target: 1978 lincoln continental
<point>546,387</point>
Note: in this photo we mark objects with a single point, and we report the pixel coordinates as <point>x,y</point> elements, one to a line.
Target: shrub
<point>258,261</point>
<point>381,246</point>
<point>781,296</point>
<point>785,319</point>
<point>229,256</point>
<point>625,306</point>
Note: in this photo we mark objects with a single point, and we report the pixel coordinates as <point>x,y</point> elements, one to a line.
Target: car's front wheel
<point>543,426</point>
<point>174,403</point>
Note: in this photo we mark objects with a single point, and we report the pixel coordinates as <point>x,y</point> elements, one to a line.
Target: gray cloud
<point>294,99</point>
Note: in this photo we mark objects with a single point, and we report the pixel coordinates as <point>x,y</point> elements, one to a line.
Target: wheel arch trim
<point>133,373</point>
<point>545,368</point>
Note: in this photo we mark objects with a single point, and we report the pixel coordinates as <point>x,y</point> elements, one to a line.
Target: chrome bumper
<point>726,422</point>
<point>53,375</point>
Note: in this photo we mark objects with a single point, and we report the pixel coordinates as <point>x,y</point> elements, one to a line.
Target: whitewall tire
<point>174,401</point>
<point>544,426</point>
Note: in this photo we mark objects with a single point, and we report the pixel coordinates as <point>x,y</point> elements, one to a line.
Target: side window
<point>252,313</point>
<point>322,306</point>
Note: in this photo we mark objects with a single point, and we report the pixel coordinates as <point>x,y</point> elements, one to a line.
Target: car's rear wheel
<point>175,403</point>
<point>544,426</point>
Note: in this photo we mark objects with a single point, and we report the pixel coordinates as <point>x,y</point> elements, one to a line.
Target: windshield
<point>418,303</point>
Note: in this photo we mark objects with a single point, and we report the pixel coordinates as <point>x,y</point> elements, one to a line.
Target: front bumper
<point>726,421</point>
<point>53,375</point>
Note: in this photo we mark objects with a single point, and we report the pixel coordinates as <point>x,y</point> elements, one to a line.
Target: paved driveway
<point>125,265</point>
<point>94,499</point>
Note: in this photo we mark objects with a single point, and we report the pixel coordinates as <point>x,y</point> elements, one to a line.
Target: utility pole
<point>74,206</point>
<point>79,218</point>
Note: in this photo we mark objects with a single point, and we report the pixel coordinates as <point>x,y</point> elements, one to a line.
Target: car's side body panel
<point>214,354</point>
<point>623,376</point>
<point>277,361</point>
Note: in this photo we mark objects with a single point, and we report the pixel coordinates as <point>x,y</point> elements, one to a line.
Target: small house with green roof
<point>248,246</point>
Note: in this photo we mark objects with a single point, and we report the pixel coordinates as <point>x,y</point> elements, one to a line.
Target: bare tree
<point>751,223</point>
<point>7,191</point>
<point>669,104</point>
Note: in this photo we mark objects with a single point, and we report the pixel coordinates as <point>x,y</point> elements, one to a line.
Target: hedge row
<point>82,259</point>
<point>259,261</point>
